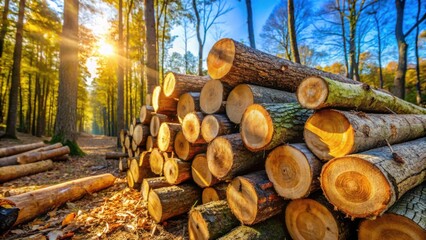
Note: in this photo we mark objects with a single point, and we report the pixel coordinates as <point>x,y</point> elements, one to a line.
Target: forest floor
<point>113,213</point>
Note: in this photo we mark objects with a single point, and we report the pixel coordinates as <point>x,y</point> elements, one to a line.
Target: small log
<point>13,160</point>
<point>166,136</point>
<point>253,199</point>
<point>176,84</point>
<point>123,133</point>
<point>188,102</point>
<point>211,220</point>
<point>156,161</point>
<point>186,150</point>
<point>151,143</point>
<point>34,203</point>
<point>244,95</point>
<point>128,142</point>
<point>122,164</point>
<point>13,150</point>
<point>167,202</point>
<point>227,157</point>
<point>270,229</point>
<point>365,185</point>
<point>213,96</point>
<point>15,171</point>
<point>140,133</point>
<point>201,173</point>
<point>293,170</point>
<point>315,219</point>
<point>332,133</point>
<point>62,158</point>
<point>139,172</point>
<point>131,182</point>
<point>216,125</point>
<point>38,156</point>
<point>136,121</point>
<point>146,113</point>
<point>163,104</point>
<point>134,147</point>
<point>406,219</point>
<point>152,183</point>
<point>215,193</point>
<point>114,155</point>
<point>156,122</point>
<point>234,63</point>
<point>130,152</point>
<point>131,128</point>
<point>322,92</point>
<point>191,127</point>
<point>176,171</point>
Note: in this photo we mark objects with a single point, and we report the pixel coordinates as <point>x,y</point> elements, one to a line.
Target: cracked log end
<point>221,58</point>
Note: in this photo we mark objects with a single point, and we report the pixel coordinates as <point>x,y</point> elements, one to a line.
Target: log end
<point>156,98</point>
<point>156,161</point>
<point>145,189</point>
<point>329,134</point>
<point>171,171</point>
<point>242,199</point>
<point>209,128</point>
<point>155,208</point>
<point>163,139</point>
<point>181,146</point>
<point>312,92</point>
<point>209,195</point>
<point>220,157</point>
<point>150,143</point>
<point>237,102</point>
<point>169,84</point>
<point>221,58</point>
<point>201,173</point>
<point>256,128</point>
<point>186,104</point>
<point>197,226</point>
<point>355,186</point>
<point>211,96</point>
<point>154,125</point>
<point>191,127</point>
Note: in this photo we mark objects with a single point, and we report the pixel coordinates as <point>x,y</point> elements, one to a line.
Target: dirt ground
<point>113,213</point>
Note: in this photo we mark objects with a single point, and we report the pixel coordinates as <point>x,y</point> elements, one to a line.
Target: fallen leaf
<point>68,219</point>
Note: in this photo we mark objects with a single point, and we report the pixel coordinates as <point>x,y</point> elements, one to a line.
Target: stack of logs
<point>266,139</point>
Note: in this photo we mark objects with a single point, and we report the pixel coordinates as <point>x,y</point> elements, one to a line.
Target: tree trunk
<point>4,25</point>
<point>379,52</point>
<point>292,31</point>
<point>140,134</point>
<point>416,52</point>
<point>269,229</point>
<point>188,102</point>
<point>152,183</point>
<point>405,218</point>
<point>123,134</point>
<point>8,151</point>
<point>167,202</point>
<point>156,161</point>
<point>201,173</point>
<point>293,170</point>
<point>216,125</point>
<point>250,24</point>
<point>399,80</point>
<point>200,41</point>
<point>227,157</point>
<point>191,127</point>
<point>186,150</point>
<point>16,75</point>
<point>151,46</point>
<point>213,95</point>
<point>12,172</point>
<point>13,160</point>
<point>333,133</point>
<point>176,84</point>
<point>320,220</point>
<point>163,104</point>
<point>317,93</point>
<point>176,171</point>
<point>244,95</point>
<point>268,125</point>
<point>252,198</point>
<point>38,156</point>
<point>365,185</point>
<point>231,62</point>
<point>166,136</point>
<point>211,220</point>
<point>215,193</point>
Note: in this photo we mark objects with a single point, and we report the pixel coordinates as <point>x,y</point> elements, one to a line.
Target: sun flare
<point>105,48</point>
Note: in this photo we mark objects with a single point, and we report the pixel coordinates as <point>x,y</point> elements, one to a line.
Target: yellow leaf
<point>68,219</point>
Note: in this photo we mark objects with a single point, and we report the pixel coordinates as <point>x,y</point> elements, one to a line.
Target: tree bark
<point>268,125</point>
<point>152,183</point>
<point>231,62</point>
<point>176,84</point>
<point>156,161</point>
<point>185,150</point>
<point>176,171</point>
<point>114,155</point>
<point>292,31</point>
<point>214,193</point>
<point>163,104</point>
<point>8,151</point>
<point>200,42</point>
<point>12,172</point>
<point>191,127</point>
<point>38,156</point>
<point>166,136</point>
<point>250,24</point>
<point>244,95</point>
<point>416,52</point>
<point>217,125</point>
<point>201,173</point>
<point>213,95</point>
<point>317,93</point>
<point>151,46</point>
<point>4,25</point>
<point>333,133</point>
<point>211,220</point>
<point>269,229</point>
<point>365,185</point>
<point>188,102</point>
<point>252,198</point>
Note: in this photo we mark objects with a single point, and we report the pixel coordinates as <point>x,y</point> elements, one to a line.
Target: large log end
<point>256,128</point>
<point>312,92</point>
<point>221,57</point>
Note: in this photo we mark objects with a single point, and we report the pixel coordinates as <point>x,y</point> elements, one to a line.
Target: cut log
<point>270,229</point>
<point>163,104</point>
<point>332,133</point>
<point>213,96</point>
<point>201,173</point>
<point>131,128</point>
<point>139,172</point>
<point>188,102</point>
<point>176,84</point>
<point>167,202</point>
<point>140,133</point>
<point>34,203</point>
<point>215,193</point>
<point>211,220</point>
<point>115,155</point>
<point>134,146</point>
<point>21,190</point>
<point>406,219</point>
<point>15,171</point>
<point>146,114</point>
<point>38,156</point>
<point>216,125</point>
<point>186,150</point>
<point>152,183</point>
<point>227,157</point>
<point>316,219</point>
<point>131,182</point>
<point>62,158</point>
<point>156,122</point>
<point>166,136</point>
<point>321,92</point>
<point>148,99</point>
<point>151,143</point>
<point>123,133</point>
<point>268,125</point>
<point>130,152</point>
<point>128,142</point>
<point>191,127</point>
<point>252,198</point>
<point>156,161</point>
<point>13,150</point>
<point>365,185</point>
<point>13,160</point>
<point>245,95</point>
<point>122,164</point>
<point>176,171</point>
<point>293,170</point>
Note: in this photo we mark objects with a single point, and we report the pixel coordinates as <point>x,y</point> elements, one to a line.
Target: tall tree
<point>4,25</point>
<point>120,72</point>
<point>292,31</point>
<point>16,75</point>
<point>250,24</point>
<point>399,80</point>
<point>151,46</point>
<point>416,53</point>
<point>66,116</point>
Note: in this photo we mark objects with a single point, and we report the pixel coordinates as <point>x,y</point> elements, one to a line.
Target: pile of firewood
<point>263,137</point>
<point>23,160</point>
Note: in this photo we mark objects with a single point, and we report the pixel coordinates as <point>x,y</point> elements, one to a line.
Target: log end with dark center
<point>242,199</point>
<point>256,128</point>
<point>221,58</point>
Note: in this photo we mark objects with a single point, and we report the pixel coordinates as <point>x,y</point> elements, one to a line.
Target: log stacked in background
<point>152,183</point>
<point>176,84</point>
<point>191,127</point>
<point>213,96</point>
<point>201,173</point>
<point>185,150</point>
<point>215,125</point>
<point>188,102</point>
<point>8,151</point>
<point>15,171</point>
<point>214,193</point>
<point>13,159</point>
